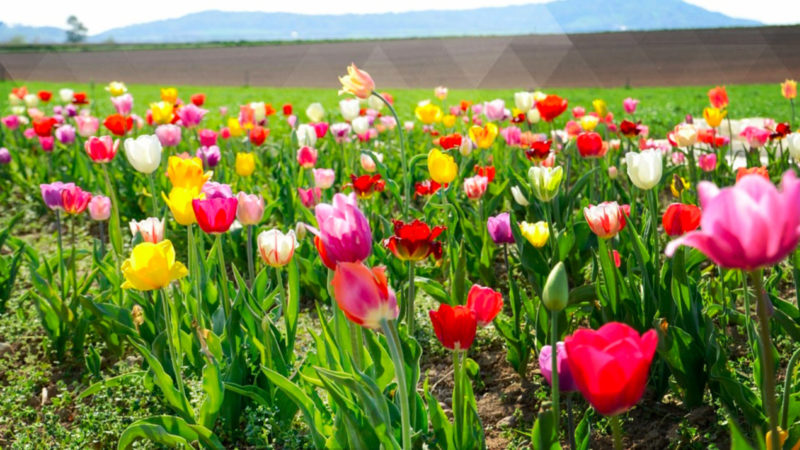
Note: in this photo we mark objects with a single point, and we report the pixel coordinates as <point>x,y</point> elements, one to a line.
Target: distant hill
<point>22,33</point>
<point>560,16</point>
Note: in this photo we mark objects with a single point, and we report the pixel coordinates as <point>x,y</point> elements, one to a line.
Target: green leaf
<point>175,398</point>
<point>119,380</point>
<point>212,386</point>
<point>171,431</point>
<point>543,436</point>
<point>317,426</point>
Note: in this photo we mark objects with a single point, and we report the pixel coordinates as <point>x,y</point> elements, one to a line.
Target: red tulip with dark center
<point>629,129</point>
<point>539,150</point>
<point>781,131</point>
<point>680,219</point>
<point>366,185</point>
<point>414,241</point>
<point>80,98</point>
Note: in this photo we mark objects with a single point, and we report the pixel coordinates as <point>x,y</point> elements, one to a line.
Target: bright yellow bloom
<point>442,166</point>
<point>235,127</point>
<point>449,120</point>
<point>169,95</point>
<point>782,436</point>
<point>245,164</point>
<point>186,172</point>
<point>161,112</point>
<point>428,113</point>
<point>789,89</point>
<point>152,266</point>
<point>536,233</point>
<point>678,185</point>
<point>357,82</point>
<point>116,88</point>
<point>714,116</point>
<point>589,122</point>
<point>483,137</point>
<point>180,203</point>
<point>600,107</point>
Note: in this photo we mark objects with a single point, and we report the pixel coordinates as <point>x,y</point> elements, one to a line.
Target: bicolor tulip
<point>276,248</point>
<point>364,294</point>
<point>610,366</point>
<point>455,326</point>
<point>144,153</point>
<point>101,149</point>
<point>343,229</point>
<point>65,134</point>
<point>357,82</point>
<point>718,97</point>
<point>212,189</point>
<point>442,167</point>
<point>485,303</point>
<point>152,266</point>
<point>250,208</point>
<point>414,241</point>
<point>483,137</point>
<point>545,181</point>
<point>645,168</point>
<point>475,186</point>
<point>51,193</point>
<point>150,229</point>
<point>324,178</point>
<point>74,200</point>
<point>789,89</point>
<point>307,157</point>
<point>565,381</point>
<point>499,227</point>
<point>747,226</point>
<point>5,156</point>
<point>99,208</point>
<point>606,219</point>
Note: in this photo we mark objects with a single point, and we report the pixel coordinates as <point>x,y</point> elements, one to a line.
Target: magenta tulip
<point>343,229</point>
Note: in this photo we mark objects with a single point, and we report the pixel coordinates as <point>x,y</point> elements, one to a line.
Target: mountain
<point>23,33</point>
<point>560,16</point>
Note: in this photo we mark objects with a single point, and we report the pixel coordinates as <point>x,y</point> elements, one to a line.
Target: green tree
<point>77,31</point>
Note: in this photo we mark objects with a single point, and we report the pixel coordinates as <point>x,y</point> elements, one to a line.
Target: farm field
<point>259,267</point>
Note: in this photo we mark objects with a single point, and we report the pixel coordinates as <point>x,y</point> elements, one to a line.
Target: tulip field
<point>363,268</point>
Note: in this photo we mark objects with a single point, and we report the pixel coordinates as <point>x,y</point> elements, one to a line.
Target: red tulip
<point>101,149</point>
<point>366,185</point>
<point>487,172</point>
<point>364,295</point>
<point>45,96</point>
<point>450,141</point>
<point>269,109</point>
<point>198,99</point>
<point>20,92</point>
<point>287,109</point>
<point>427,187</point>
<point>455,326</point>
<point>44,126</point>
<point>80,98</point>
<point>590,145</point>
<point>718,97</point>
<point>485,303</point>
<point>539,150</point>
<point>258,135</point>
<point>74,200</point>
<point>781,131</point>
<point>118,124</point>
<point>610,365</point>
<point>414,241</point>
<point>215,215</point>
<point>551,107</point>
<point>629,129</point>
<point>680,219</point>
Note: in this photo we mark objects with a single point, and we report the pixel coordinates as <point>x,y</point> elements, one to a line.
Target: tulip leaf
<point>171,431</point>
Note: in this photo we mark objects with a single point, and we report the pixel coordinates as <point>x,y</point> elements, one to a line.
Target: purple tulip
<point>500,229</point>
<point>51,193</point>
<point>65,134</point>
<point>209,155</point>
<point>5,156</point>
<point>212,189</point>
<point>565,381</point>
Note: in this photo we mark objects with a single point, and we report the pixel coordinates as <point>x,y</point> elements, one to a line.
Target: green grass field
<point>660,108</point>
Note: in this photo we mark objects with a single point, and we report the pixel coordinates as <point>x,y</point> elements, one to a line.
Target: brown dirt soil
<point>652,58</point>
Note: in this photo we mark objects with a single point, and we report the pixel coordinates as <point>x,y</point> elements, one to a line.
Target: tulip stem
<point>403,156</point>
<point>396,350</point>
<point>410,299</point>
<point>73,262</point>
<point>151,179</point>
<point>61,269</point>
<point>554,377</point>
<point>458,415</point>
<point>224,288</point>
<point>616,431</point>
<point>767,363</point>
<point>115,243</point>
<point>195,277</point>
<point>250,267</point>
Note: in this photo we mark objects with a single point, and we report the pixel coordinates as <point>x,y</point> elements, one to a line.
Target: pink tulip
<point>512,135</point>
<point>321,129</point>
<point>101,149</point>
<point>151,229</point>
<point>191,115</point>
<point>388,122</point>
<point>344,230</point>
<point>250,209</point>
<point>756,137</point>
<point>678,158</point>
<point>123,104</point>
<point>578,112</point>
<point>746,226</point>
<point>291,120</point>
<point>100,208</point>
<point>324,178</point>
<point>707,162</point>
<point>364,295</point>
<point>565,381</point>
<point>630,104</point>
<point>11,122</point>
<point>169,135</point>
<point>309,197</point>
<point>213,189</point>
<point>495,109</point>
<point>47,143</point>
<point>475,186</point>
<point>74,200</point>
<point>307,157</point>
<point>87,125</point>
<point>207,137</point>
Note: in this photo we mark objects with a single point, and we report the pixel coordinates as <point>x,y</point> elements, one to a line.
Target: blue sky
<point>112,15</point>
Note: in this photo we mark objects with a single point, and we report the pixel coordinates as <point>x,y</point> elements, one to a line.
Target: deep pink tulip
<point>343,229</point>
<point>630,105</point>
<point>610,365</point>
<point>307,157</point>
<point>207,137</point>
<point>565,381</point>
<point>47,143</point>
<point>320,128</point>
<point>746,226</point>
<point>707,162</point>
<point>309,197</point>
<point>191,115</point>
<point>215,215</point>
<point>11,122</point>
<point>74,200</point>
<point>101,149</point>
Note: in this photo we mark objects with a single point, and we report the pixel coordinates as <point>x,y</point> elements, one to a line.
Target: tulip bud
<point>466,147</point>
<point>300,231</point>
<point>613,172</point>
<point>519,197</point>
<point>5,156</point>
<point>556,289</point>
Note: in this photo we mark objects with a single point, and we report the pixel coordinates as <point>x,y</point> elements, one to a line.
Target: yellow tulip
<point>245,164</point>
<point>483,137</point>
<point>116,88</point>
<point>161,112</point>
<point>428,113</point>
<point>589,122</point>
<point>600,107</point>
<point>714,116</point>
<point>180,203</point>
<point>235,127</point>
<point>169,95</point>
<point>152,266</point>
<point>186,172</point>
<point>442,167</point>
<point>678,185</point>
<point>449,120</point>
<point>536,233</point>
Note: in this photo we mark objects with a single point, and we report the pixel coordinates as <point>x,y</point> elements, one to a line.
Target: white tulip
<point>13,100</point>
<point>276,248</point>
<point>144,153</point>
<point>259,111</point>
<point>685,135</point>
<point>523,101</point>
<point>793,142</point>
<point>360,125</point>
<point>315,112</point>
<point>306,135</point>
<point>519,197</point>
<point>466,146</point>
<point>644,168</point>
<point>31,100</point>
<point>349,108</point>
<point>66,95</point>
<point>534,116</point>
<point>375,103</point>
